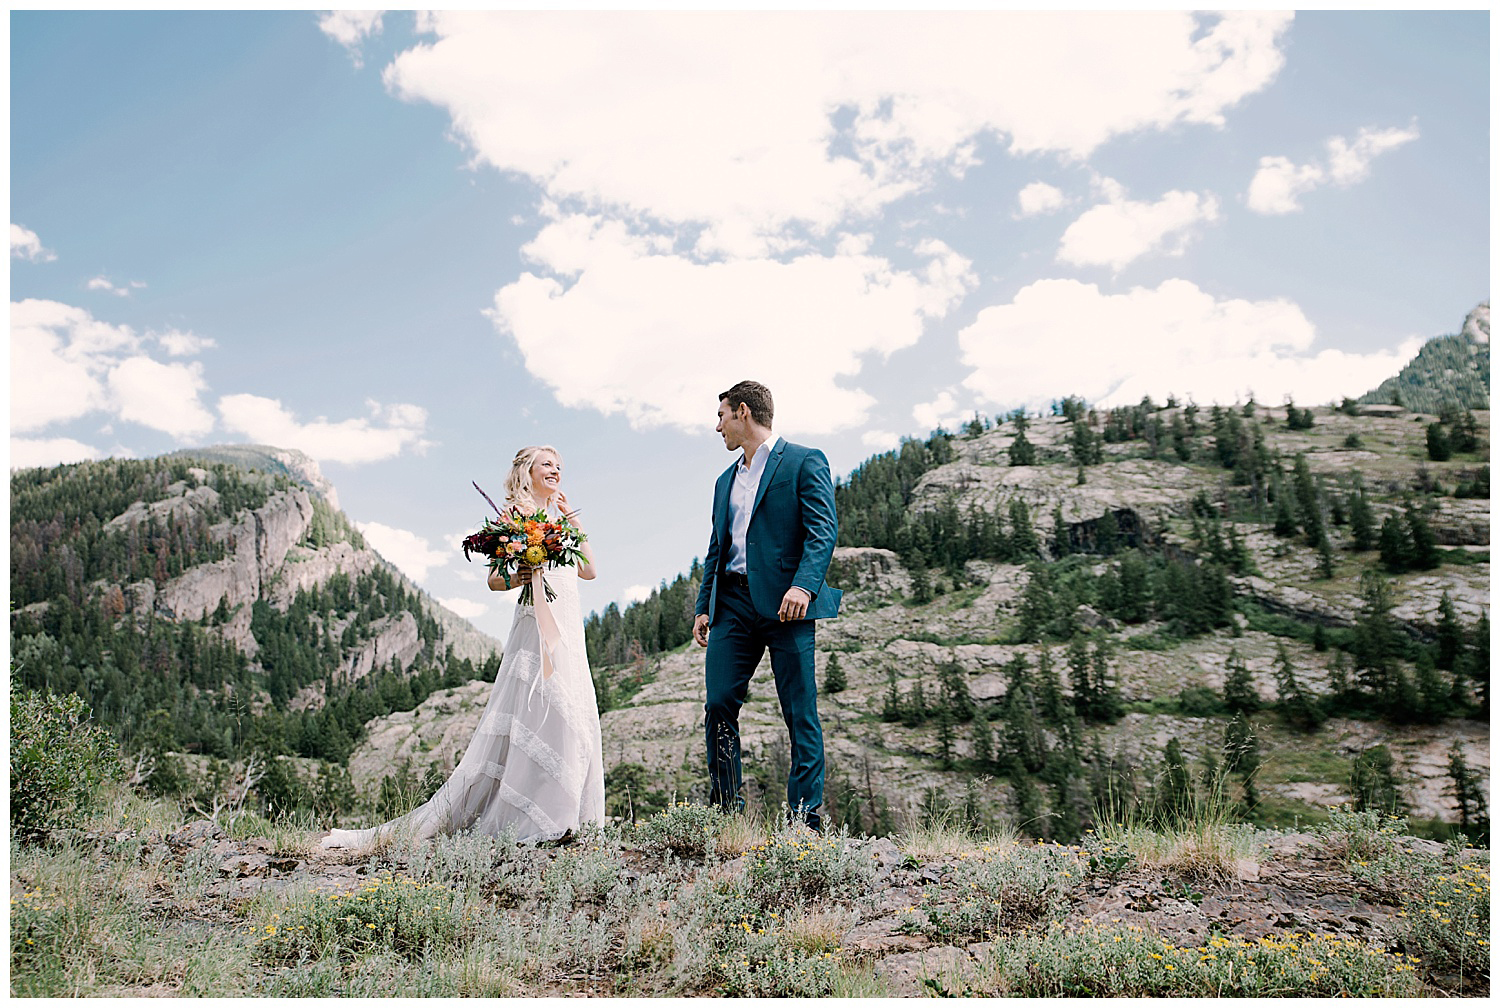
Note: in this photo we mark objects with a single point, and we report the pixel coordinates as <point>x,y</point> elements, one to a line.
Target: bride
<point>536,762</point>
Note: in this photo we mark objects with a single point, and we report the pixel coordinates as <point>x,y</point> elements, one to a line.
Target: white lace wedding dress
<point>536,762</point>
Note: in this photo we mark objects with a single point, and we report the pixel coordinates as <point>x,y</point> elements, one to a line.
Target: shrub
<point>1001,889</point>
<point>390,913</point>
<point>794,865</point>
<point>1132,962</point>
<point>683,829</point>
<point>58,761</point>
<point>1446,924</point>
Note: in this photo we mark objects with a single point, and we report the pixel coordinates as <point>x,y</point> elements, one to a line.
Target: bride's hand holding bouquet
<point>523,543</point>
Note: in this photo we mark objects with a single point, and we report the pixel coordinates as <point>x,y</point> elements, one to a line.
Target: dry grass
<point>945,839</point>
<point>739,833</point>
<point>819,930</point>
<point>1206,851</point>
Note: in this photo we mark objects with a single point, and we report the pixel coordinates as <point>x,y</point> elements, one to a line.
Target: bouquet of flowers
<point>514,538</point>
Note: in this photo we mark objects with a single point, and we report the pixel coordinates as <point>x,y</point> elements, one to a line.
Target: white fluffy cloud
<point>100,283</point>
<point>412,553</point>
<point>940,412</point>
<point>730,117</point>
<point>654,335</point>
<point>26,453</point>
<point>638,593</point>
<point>350,28</point>
<point>161,396</point>
<point>707,177</point>
<point>385,433</point>
<point>181,344</point>
<point>1278,183</point>
<point>66,364</point>
<point>59,356</point>
<point>467,608</point>
<point>880,440</point>
<point>1116,233</point>
<point>1039,198</point>
<point>24,244</point>
<point>1062,337</point>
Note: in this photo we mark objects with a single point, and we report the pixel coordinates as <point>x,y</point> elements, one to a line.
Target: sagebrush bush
<point>1446,923</point>
<point>795,865</point>
<point>59,760</point>
<point>683,829</point>
<point>1099,961</point>
<point>1000,888</point>
<point>390,912</point>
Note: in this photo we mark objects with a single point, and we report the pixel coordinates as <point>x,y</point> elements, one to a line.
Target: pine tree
<point>1438,448</point>
<point>1174,800</point>
<point>1107,534</point>
<point>1108,705</point>
<point>1297,706</point>
<point>834,680</point>
<point>1468,793</point>
<point>956,695</point>
<point>914,711</point>
<point>1327,566</point>
<point>1062,537</point>
<point>1056,708</point>
<point>1024,544</point>
<point>891,711</point>
<point>1372,781</point>
<point>1424,550</point>
<point>1240,695</point>
<point>1025,744</point>
<point>1378,643</point>
<point>1432,690</point>
<point>1450,634</point>
<point>1022,452</point>
<point>1395,545</point>
<point>1038,606</point>
<point>945,735</point>
<point>982,740</point>
<point>1028,805</point>
<point>921,584</point>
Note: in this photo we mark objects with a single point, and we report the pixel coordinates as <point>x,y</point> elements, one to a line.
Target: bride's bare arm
<point>586,571</point>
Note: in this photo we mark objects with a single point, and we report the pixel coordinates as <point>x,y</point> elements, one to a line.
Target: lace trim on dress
<point>532,810</point>
<point>547,758</point>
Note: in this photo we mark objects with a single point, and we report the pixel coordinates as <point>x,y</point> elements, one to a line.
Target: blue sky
<point>409,245</point>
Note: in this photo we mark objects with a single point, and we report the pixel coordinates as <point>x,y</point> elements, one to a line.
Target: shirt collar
<point>762,452</point>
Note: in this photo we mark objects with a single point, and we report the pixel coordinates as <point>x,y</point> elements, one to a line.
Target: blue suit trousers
<point>737,640</point>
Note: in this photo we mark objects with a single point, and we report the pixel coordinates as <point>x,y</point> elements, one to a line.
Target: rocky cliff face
<point>270,559</point>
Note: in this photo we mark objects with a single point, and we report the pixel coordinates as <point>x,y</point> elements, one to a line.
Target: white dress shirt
<point>742,502</point>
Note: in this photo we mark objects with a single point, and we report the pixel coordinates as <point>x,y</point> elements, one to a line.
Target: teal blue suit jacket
<point>793,528</point>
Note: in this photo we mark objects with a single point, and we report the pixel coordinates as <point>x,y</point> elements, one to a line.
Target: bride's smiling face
<point>546,476</point>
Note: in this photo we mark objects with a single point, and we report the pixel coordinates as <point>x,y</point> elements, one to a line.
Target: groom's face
<point>732,426</point>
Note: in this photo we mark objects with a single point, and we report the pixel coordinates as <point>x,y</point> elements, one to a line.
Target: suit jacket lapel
<point>767,474</point>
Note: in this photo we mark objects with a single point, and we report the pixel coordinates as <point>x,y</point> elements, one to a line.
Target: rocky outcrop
<point>433,735</point>
<point>288,462</point>
<point>392,638</point>
<point>306,568</point>
<point>259,539</point>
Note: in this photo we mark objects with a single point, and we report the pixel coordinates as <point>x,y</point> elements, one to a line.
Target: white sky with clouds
<point>407,245</point>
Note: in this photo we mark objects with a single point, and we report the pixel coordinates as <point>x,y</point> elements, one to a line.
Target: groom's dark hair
<point>752,394</point>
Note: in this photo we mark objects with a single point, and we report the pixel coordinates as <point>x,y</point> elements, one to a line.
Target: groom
<point>774,527</point>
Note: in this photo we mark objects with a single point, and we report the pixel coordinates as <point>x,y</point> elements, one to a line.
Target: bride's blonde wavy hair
<point>518,480</point>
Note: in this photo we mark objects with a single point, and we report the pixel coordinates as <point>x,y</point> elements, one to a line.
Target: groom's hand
<point>700,629</point>
<point>794,604</point>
